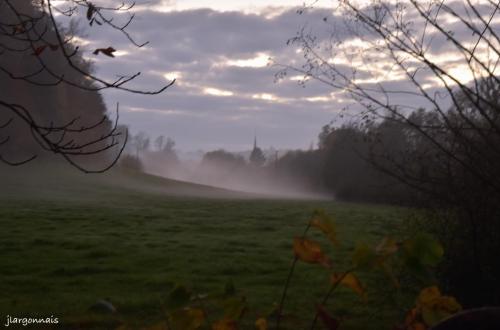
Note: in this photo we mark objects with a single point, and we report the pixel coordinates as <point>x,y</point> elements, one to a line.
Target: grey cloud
<point>195,43</point>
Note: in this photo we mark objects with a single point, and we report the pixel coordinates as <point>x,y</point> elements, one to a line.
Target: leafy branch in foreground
<point>418,255</point>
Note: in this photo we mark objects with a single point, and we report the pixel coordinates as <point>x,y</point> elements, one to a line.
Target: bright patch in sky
<point>261,60</point>
<point>254,6</point>
<point>172,75</point>
<point>265,96</point>
<point>216,92</point>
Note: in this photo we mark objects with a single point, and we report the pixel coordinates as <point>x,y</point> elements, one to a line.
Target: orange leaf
<point>411,317</point>
<point>310,251</point>
<point>351,281</point>
<point>225,324</point>
<point>417,326</point>
<point>261,324</point>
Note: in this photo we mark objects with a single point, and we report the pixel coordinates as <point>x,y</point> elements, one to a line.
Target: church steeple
<point>257,157</point>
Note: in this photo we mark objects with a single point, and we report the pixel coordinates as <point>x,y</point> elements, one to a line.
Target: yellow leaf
<point>310,251</point>
<point>434,307</point>
<point>351,281</point>
<point>449,304</point>
<point>261,324</point>
<point>325,223</point>
<point>225,324</point>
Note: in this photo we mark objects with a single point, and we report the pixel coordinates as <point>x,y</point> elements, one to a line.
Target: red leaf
<point>39,50</point>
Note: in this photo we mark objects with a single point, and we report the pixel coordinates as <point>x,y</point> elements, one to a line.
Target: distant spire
<point>255,141</point>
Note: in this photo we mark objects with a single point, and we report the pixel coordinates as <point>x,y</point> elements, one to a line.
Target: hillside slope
<point>60,181</point>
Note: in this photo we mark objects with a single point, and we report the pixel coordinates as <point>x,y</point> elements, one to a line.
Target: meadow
<point>67,242</point>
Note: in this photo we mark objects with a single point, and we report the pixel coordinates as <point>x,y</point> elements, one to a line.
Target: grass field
<point>67,241</point>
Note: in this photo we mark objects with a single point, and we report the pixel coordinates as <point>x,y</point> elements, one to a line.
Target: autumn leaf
<point>261,324</point>
<point>310,251</point>
<point>411,316</point>
<point>428,295</point>
<point>225,324</point>
<point>39,50</point>
<point>435,307</point>
<point>329,322</point>
<point>325,223</point>
<point>106,51</point>
<point>417,326</point>
<point>349,280</point>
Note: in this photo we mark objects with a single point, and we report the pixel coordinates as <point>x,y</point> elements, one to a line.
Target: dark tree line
<point>49,95</point>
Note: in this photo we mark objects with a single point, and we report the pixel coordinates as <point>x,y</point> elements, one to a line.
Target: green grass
<point>66,244</point>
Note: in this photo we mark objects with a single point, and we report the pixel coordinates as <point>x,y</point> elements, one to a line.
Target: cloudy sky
<point>221,54</point>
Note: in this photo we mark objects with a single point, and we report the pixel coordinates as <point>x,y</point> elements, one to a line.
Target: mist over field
<point>265,182</point>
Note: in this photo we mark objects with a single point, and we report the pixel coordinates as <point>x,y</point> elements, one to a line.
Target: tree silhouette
<point>39,55</point>
<point>392,58</point>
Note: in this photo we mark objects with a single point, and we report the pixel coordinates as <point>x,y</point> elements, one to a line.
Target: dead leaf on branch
<point>310,251</point>
<point>349,280</point>
<point>106,51</point>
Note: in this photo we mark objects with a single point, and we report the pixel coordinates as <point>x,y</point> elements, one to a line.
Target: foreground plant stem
<point>327,296</point>
<point>287,283</point>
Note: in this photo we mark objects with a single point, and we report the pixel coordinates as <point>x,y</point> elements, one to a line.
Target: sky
<point>223,55</point>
